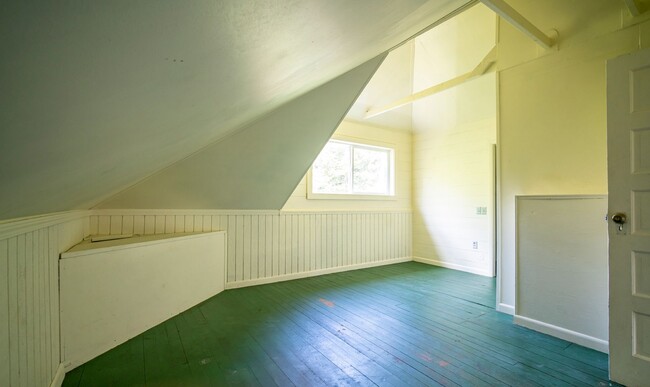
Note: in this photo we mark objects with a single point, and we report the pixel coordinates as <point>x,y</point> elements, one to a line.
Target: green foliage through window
<point>353,169</point>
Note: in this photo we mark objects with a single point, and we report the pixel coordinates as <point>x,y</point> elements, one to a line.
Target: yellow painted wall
<point>552,107</point>
<point>452,146</point>
<point>400,140</point>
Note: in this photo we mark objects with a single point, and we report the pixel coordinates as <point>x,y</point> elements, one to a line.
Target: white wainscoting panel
<point>269,246</point>
<point>29,301</point>
<point>562,274</point>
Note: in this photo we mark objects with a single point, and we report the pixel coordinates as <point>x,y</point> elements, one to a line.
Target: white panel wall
<point>269,246</point>
<point>29,301</point>
<point>113,291</point>
<point>562,273</point>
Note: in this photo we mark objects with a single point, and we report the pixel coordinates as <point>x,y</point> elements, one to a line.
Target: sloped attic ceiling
<point>98,95</point>
<point>258,166</point>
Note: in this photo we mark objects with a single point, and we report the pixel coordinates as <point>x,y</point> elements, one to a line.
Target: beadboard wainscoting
<point>29,301</point>
<point>270,246</point>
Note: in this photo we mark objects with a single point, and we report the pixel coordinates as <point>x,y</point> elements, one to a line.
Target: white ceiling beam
<point>479,70</point>
<point>504,10</point>
<point>634,7</point>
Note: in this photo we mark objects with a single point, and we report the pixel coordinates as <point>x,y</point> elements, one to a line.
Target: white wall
<point>552,126</point>
<point>453,169</point>
<point>400,140</point>
<point>392,80</point>
<point>29,303</point>
<point>270,246</point>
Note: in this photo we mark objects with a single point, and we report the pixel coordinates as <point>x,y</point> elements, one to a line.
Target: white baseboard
<point>563,333</point>
<point>469,269</point>
<point>58,376</point>
<point>505,308</point>
<point>12,227</point>
<point>314,273</point>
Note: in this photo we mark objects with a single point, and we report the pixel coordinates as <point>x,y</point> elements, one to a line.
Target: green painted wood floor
<point>403,324</point>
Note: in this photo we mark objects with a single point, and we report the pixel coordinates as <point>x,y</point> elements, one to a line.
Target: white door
<point>628,153</point>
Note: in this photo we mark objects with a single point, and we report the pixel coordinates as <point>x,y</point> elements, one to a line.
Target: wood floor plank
<point>493,337</point>
<point>387,361</point>
<point>267,371</point>
<point>201,350</point>
<point>430,353</point>
<point>584,372</point>
<point>360,368</point>
<point>402,324</point>
<point>312,344</point>
<point>479,311</point>
<point>421,357</point>
<point>73,378</point>
<point>123,365</point>
<point>164,358</point>
<point>582,354</point>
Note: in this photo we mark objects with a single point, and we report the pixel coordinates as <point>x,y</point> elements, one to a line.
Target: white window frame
<point>360,143</point>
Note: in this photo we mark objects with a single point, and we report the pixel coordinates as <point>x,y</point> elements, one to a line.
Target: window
<point>349,170</point>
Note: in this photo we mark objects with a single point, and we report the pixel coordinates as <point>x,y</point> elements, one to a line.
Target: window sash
<point>386,152</point>
<point>355,193</point>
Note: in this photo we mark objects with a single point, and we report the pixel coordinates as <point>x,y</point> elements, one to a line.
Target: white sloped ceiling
<point>96,96</point>
<point>258,166</point>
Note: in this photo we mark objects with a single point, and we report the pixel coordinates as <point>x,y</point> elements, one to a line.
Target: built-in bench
<point>113,290</point>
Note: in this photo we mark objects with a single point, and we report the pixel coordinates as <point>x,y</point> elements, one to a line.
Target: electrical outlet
<point>481,210</point>
<point>475,245</point>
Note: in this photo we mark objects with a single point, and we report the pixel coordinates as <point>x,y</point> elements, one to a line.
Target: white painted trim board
<point>454,266</point>
<point>178,211</point>
<point>348,211</point>
<point>137,241</point>
<point>505,308</point>
<point>58,377</point>
<point>195,212</point>
<point>562,333</point>
<point>314,273</point>
<point>13,227</point>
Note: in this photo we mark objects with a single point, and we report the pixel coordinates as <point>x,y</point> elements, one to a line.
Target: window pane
<point>371,171</point>
<point>331,170</point>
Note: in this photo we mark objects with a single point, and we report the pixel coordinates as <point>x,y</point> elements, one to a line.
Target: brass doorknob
<point>619,218</point>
